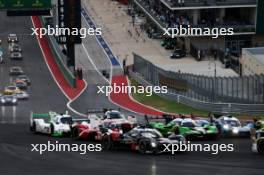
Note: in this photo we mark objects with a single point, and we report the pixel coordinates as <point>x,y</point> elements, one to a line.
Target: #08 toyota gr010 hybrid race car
<point>51,123</point>
<point>140,138</point>
<point>92,129</point>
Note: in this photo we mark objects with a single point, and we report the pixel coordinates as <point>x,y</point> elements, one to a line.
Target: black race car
<point>142,139</point>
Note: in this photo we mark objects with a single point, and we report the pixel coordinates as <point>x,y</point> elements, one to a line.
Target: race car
<point>258,138</point>
<point>113,116</point>
<point>12,38</point>
<point>86,129</point>
<point>51,123</point>
<point>97,124</point>
<point>189,128</point>
<point>22,95</point>
<point>15,70</point>
<point>14,48</point>
<point>230,126</point>
<point>24,78</point>
<point>8,100</point>
<point>142,139</point>
<point>9,90</point>
<point>16,56</point>
<point>20,84</point>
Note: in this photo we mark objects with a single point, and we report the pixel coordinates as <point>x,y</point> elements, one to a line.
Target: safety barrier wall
<point>241,94</point>
<point>59,57</point>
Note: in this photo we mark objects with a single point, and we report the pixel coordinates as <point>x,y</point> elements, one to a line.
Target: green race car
<point>191,129</point>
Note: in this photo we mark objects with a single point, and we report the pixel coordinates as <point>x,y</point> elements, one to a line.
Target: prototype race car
<point>8,100</point>
<point>258,138</point>
<point>12,38</point>
<point>189,128</point>
<point>16,56</point>
<point>16,71</point>
<point>97,124</point>
<point>86,129</point>
<point>142,139</point>
<point>231,126</point>
<point>51,123</point>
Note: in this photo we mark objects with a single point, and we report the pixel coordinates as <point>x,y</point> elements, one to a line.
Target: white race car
<point>51,123</point>
<point>113,117</point>
<point>231,126</point>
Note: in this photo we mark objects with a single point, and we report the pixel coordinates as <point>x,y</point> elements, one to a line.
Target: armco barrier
<point>59,57</point>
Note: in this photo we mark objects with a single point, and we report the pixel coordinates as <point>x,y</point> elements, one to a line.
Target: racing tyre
<point>51,130</point>
<point>107,143</point>
<point>33,127</point>
<point>260,146</point>
<point>75,134</point>
<point>143,146</point>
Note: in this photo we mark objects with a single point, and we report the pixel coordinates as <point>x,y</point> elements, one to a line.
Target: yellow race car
<point>10,90</point>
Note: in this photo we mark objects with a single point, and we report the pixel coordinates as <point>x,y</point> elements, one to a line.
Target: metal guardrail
<point>235,108</point>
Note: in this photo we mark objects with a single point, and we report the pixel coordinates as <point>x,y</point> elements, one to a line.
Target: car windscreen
<point>115,115</point>
<point>233,123</point>
<point>202,122</point>
<point>66,120</point>
<point>150,134</point>
<point>188,124</point>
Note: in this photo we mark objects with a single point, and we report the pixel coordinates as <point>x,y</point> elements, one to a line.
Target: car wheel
<point>260,146</point>
<point>33,127</point>
<point>107,143</point>
<point>142,146</point>
<point>51,129</point>
<point>75,134</point>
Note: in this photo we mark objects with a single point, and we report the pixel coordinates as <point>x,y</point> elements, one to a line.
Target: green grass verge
<point>165,105</point>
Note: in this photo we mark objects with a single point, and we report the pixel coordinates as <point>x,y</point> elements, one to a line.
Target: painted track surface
<point>16,158</point>
<point>45,94</point>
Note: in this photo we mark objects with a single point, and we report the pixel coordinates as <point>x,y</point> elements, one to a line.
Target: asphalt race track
<point>15,138</point>
<point>44,92</point>
<point>16,157</point>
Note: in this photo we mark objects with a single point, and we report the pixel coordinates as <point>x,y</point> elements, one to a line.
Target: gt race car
<point>142,139</point>
<point>51,123</point>
<point>230,126</point>
<point>8,100</point>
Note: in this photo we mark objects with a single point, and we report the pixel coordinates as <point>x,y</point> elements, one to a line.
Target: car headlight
<point>153,144</point>
<point>3,100</point>
<point>14,100</point>
<point>120,131</point>
<point>226,127</point>
<point>235,131</point>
